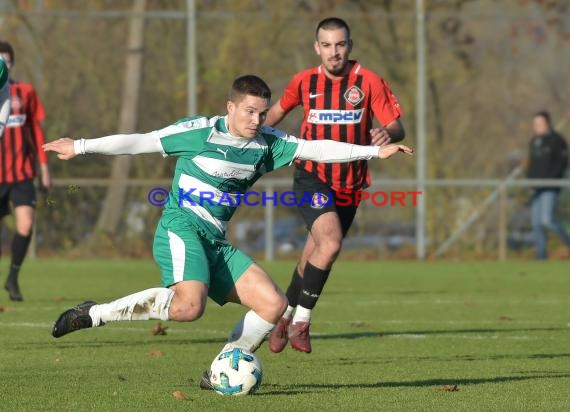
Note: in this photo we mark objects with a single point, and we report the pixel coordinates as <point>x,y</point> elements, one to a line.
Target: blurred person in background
<point>548,159</point>
<point>20,149</point>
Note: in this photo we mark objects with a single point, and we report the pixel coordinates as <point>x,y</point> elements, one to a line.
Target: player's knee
<point>24,231</point>
<point>277,305</point>
<point>24,228</point>
<point>192,313</point>
<point>331,248</point>
<point>186,312</point>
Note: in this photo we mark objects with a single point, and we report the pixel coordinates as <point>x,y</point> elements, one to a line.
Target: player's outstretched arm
<point>329,151</point>
<point>120,144</point>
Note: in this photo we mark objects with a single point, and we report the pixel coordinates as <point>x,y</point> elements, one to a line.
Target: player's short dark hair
<point>331,23</point>
<point>251,85</point>
<point>544,114</point>
<point>6,47</point>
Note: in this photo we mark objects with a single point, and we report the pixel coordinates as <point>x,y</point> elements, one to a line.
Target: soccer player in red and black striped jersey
<point>340,98</point>
<point>20,150</point>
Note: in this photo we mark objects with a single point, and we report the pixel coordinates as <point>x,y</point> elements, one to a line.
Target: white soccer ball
<point>236,372</point>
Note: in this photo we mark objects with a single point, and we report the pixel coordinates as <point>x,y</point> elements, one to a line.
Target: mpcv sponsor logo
<point>334,116</point>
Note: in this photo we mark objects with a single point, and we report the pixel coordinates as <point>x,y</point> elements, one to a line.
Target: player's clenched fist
<point>64,148</point>
<point>380,137</point>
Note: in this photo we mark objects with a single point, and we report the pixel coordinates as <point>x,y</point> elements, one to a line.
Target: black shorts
<point>20,194</point>
<point>314,198</point>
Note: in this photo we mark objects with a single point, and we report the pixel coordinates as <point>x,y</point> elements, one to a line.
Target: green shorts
<point>184,254</point>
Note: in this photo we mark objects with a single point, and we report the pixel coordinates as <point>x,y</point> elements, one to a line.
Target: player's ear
<point>230,106</point>
<point>317,50</point>
<point>350,45</point>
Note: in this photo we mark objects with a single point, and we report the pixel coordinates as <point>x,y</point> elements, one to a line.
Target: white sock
<point>145,305</point>
<point>249,332</point>
<point>302,315</point>
<point>288,312</point>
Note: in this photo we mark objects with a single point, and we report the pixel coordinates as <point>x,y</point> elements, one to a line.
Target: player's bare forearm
<point>275,115</point>
<point>396,131</point>
<point>393,132</point>
<point>45,177</point>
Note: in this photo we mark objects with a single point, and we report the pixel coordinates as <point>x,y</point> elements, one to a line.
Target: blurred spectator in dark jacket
<point>548,159</point>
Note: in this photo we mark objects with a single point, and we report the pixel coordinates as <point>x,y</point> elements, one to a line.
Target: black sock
<point>294,288</point>
<point>314,280</point>
<point>19,249</point>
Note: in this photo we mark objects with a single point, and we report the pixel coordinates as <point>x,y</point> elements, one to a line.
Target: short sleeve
<point>291,97</point>
<point>185,137</point>
<point>385,106</point>
<point>283,148</point>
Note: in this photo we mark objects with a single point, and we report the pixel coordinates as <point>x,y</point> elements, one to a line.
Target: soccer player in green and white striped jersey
<point>224,156</point>
<point>4,95</point>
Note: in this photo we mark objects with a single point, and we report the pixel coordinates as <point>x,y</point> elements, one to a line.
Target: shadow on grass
<point>359,335</point>
<point>323,387</point>
<point>332,336</point>
<point>387,359</point>
<point>97,343</point>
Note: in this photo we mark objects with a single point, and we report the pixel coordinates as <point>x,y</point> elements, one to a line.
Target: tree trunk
<point>113,205</point>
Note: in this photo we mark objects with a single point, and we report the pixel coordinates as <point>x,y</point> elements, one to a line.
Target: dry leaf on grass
<point>158,329</point>
<point>155,353</point>
<point>503,317</point>
<point>2,309</point>
<point>449,388</point>
<point>58,299</point>
<point>180,396</point>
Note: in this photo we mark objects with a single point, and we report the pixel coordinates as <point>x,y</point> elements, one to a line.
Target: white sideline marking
<point>222,333</point>
<point>447,336</point>
<point>471,337</point>
<point>114,328</point>
<point>443,322</point>
<point>395,301</point>
<point>25,325</point>
<point>405,335</point>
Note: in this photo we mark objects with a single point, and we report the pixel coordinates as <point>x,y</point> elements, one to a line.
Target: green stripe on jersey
<point>3,73</point>
<point>214,168</point>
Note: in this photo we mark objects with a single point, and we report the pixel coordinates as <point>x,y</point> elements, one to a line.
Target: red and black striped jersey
<point>23,138</point>
<point>341,110</point>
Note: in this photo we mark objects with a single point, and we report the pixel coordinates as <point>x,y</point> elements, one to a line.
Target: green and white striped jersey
<point>4,75</point>
<point>214,168</point>
<point>4,96</point>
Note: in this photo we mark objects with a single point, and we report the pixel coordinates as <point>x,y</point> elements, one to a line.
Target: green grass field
<point>387,336</point>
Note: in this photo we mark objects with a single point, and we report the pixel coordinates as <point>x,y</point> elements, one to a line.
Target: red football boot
<point>278,337</point>
<point>299,336</point>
